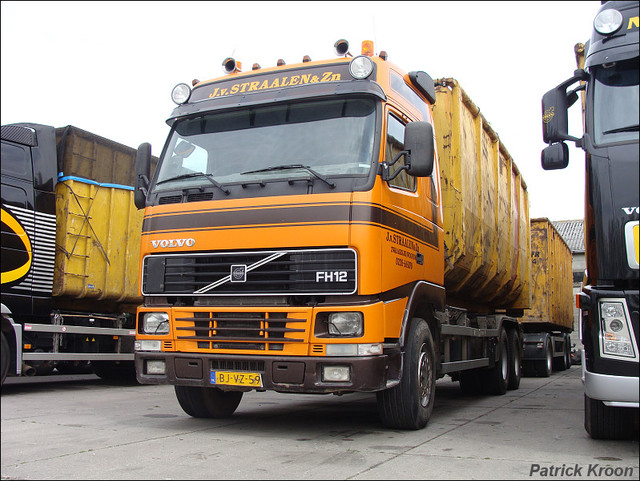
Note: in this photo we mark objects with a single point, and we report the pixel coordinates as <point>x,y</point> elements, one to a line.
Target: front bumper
<point>294,374</point>
<point>617,391</point>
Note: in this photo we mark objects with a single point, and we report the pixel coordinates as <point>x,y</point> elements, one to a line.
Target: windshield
<point>313,140</point>
<point>616,102</point>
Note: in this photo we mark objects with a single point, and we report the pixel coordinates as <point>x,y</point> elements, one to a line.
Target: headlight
<point>346,324</point>
<point>616,334</point>
<point>608,21</point>
<point>361,67</point>
<point>155,323</point>
<point>181,93</point>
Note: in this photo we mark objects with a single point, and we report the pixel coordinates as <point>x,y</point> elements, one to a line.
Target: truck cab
<point>607,78</point>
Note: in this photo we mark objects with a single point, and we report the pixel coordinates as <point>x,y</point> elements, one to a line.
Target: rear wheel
<point>497,377</point>
<point>605,422</point>
<point>409,404</point>
<point>544,367</point>
<point>515,359</point>
<point>207,402</point>
<point>5,354</point>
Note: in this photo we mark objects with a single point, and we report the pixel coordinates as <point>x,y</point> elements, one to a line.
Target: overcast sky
<point>109,67</point>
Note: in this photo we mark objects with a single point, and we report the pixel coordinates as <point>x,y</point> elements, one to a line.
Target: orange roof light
<point>367,48</point>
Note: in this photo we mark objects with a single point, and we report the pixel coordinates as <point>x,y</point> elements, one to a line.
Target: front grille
<point>241,330</point>
<point>303,272</point>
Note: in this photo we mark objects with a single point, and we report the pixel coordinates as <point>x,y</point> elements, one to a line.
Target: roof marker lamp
<point>181,93</point>
<point>608,21</point>
<point>361,67</point>
<point>367,48</point>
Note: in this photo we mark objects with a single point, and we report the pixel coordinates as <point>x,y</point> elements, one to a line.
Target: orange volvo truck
<point>330,227</point>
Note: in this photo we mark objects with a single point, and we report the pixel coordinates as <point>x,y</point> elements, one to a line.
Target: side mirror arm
<point>384,166</point>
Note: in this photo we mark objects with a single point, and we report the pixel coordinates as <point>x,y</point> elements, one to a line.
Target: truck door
<point>17,224</point>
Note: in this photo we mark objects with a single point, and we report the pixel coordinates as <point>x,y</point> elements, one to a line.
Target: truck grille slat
<point>300,272</point>
<point>241,330</point>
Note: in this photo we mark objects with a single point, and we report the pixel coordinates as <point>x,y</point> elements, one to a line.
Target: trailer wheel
<point>207,402</point>
<point>545,367</point>
<point>5,354</point>
<point>515,359</point>
<point>497,377</point>
<point>409,404</point>
<point>605,422</point>
<point>567,351</point>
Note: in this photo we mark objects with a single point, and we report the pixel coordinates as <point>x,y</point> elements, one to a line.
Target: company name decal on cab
<point>258,82</point>
<point>278,82</point>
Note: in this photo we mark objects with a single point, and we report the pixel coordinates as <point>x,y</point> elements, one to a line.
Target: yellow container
<point>90,156</point>
<point>485,205</point>
<point>551,280</point>
<point>97,242</point>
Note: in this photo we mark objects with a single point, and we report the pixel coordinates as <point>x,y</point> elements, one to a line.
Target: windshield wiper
<point>294,166</point>
<point>209,177</point>
<point>630,128</point>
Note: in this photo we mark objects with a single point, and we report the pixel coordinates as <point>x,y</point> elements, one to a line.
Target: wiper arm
<point>209,177</point>
<point>629,128</point>
<point>294,166</point>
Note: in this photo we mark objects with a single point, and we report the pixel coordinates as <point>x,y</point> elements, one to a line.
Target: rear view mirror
<point>143,169</point>
<point>555,157</point>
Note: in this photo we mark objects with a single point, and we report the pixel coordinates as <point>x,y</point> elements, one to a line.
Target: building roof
<point>572,231</point>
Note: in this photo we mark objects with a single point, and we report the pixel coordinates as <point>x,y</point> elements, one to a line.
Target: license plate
<point>231,378</point>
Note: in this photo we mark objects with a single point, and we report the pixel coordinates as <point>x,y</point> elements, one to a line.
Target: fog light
<point>342,349</point>
<point>336,373</point>
<point>155,367</point>
<point>608,21</point>
<point>181,93</point>
<point>147,345</point>
<point>361,67</point>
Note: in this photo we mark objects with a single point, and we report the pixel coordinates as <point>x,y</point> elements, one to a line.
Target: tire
<point>207,402</point>
<point>496,378</point>
<point>514,352</point>
<point>567,351</point>
<point>604,422</point>
<point>5,354</point>
<point>544,368</point>
<point>409,404</point>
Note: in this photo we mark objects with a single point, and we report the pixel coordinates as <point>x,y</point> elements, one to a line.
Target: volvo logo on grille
<point>238,273</point>
<point>173,243</point>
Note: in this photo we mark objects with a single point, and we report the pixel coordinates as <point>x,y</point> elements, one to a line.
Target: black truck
<point>608,87</point>
<point>70,247</point>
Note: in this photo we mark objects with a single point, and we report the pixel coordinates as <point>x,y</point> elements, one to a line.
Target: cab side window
<point>395,145</point>
<point>16,161</point>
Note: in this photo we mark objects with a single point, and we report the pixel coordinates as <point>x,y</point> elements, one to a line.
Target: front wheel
<point>5,354</point>
<point>207,402</point>
<point>409,404</point>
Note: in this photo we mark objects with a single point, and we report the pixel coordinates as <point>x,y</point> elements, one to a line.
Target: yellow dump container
<point>551,280</point>
<point>485,205</point>
<point>90,156</point>
<point>97,242</point>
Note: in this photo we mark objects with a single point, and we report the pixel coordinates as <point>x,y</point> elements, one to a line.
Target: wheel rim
<point>516,361</point>
<point>504,362</point>
<point>425,376</point>
<point>549,359</point>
